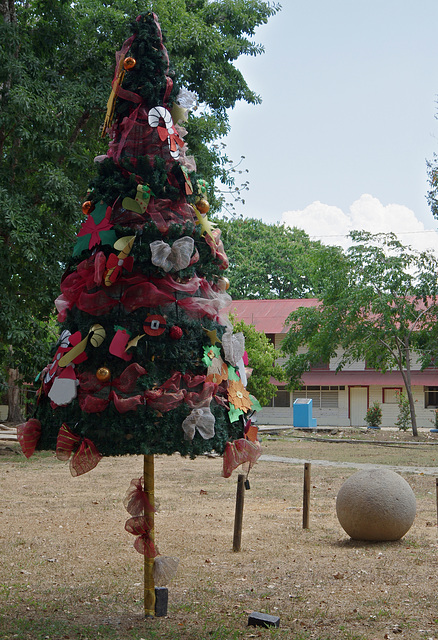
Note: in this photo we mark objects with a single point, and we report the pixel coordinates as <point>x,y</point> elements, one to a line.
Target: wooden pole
<point>149,586</point>
<point>436,484</point>
<point>238,517</point>
<point>306,495</point>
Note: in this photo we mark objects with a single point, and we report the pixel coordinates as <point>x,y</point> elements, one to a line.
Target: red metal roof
<point>365,378</point>
<point>268,316</point>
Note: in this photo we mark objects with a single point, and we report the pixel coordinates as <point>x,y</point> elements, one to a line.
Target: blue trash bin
<point>302,414</point>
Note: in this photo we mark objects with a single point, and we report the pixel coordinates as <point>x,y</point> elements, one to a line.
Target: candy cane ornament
<point>161,113</point>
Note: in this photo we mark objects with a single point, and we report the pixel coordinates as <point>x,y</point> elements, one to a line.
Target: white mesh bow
<point>201,419</point>
<point>234,347</point>
<point>175,257</point>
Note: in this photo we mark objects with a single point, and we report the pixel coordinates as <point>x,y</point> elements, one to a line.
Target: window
<point>322,397</point>
<point>320,366</point>
<point>431,396</point>
<point>389,396</point>
<point>281,399</point>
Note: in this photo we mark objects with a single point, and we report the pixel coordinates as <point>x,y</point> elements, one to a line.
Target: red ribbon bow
<point>136,501</point>
<point>116,263</point>
<point>172,135</point>
<point>85,453</point>
<point>238,452</point>
<point>141,526</point>
<point>28,435</point>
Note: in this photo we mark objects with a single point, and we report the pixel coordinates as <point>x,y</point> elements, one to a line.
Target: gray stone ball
<point>377,505</point>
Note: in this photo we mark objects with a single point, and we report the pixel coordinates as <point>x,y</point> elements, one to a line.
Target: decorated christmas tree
<point>146,362</point>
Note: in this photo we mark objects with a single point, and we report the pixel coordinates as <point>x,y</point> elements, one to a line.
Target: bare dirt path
<point>431,471</point>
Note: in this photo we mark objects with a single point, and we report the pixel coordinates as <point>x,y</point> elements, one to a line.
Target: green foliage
<point>273,261</point>
<point>380,306</point>
<point>373,416</point>
<point>261,357</point>
<point>56,67</point>
<point>432,194</point>
<point>403,421</point>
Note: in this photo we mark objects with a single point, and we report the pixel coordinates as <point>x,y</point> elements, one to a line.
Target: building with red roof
<point>338,398</point>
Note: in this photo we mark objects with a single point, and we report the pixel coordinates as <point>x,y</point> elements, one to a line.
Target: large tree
<point>274,261</point>
<point>381,306</point>
<point>56,65</point>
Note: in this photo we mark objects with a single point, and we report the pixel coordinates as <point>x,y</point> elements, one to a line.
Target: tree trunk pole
<point>149,586</point>
<point>238,518</point>
<point>306,495</point>
<point>409,388</point>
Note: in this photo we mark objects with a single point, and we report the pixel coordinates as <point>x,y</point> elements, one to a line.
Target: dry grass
<point>68,568</point>
<point>388,447</point>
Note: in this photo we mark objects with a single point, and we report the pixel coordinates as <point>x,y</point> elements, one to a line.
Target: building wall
<point>339,417</point>
<point>425,416</point>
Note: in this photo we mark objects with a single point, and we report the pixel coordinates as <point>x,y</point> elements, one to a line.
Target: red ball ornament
<point>176,333</point>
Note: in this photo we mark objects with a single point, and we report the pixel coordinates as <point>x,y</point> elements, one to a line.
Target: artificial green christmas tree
<point>145,362</point>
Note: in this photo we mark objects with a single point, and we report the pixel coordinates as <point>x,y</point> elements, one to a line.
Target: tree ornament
<point>172,258</point>
<point>98,335</point>
<point>212,334</point>
<point>95,335</point>
<point>96,229</point>
<point>75,352</point>
<point>116,262</point>
<point>206,226</point>
<point>203,206</point>
<point>154,325</point>
<point>141,202</point>
<point>175,333</point>
<point>111,104</point>
<point>28,435</point>
<point>87,207</point>
<point>239,396</point>
<point>129,63</point>
<point>103,374</point>
<point>119,344</point>
<point>223,284</point>
<point>161,113</point>
<point>64,388</point>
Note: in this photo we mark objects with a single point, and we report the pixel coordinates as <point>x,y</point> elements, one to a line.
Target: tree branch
<point>76,131</point>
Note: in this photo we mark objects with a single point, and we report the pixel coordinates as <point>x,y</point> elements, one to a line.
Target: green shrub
<point>373,416</point>
<point>403,421</point>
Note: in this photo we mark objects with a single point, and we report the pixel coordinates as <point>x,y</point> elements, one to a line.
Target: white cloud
<point>330,224</point>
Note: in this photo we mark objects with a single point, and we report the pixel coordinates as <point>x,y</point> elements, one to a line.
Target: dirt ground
<point>69,570</point>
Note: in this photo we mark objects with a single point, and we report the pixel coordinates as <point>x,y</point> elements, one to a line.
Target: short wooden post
<point>306,495</point>
<point>238,517</point>
<point>436,484</point>
<point>149,585</point>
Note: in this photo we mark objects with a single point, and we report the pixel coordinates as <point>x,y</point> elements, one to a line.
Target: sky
<point>347,122</point>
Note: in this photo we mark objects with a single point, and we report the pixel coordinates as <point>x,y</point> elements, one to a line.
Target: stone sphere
<point>376,505</point>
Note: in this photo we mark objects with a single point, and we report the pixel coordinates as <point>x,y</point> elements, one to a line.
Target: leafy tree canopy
<point>274,261</point>
<point>56,67</point>
<point>381,306</point>
<point>261,357</point>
